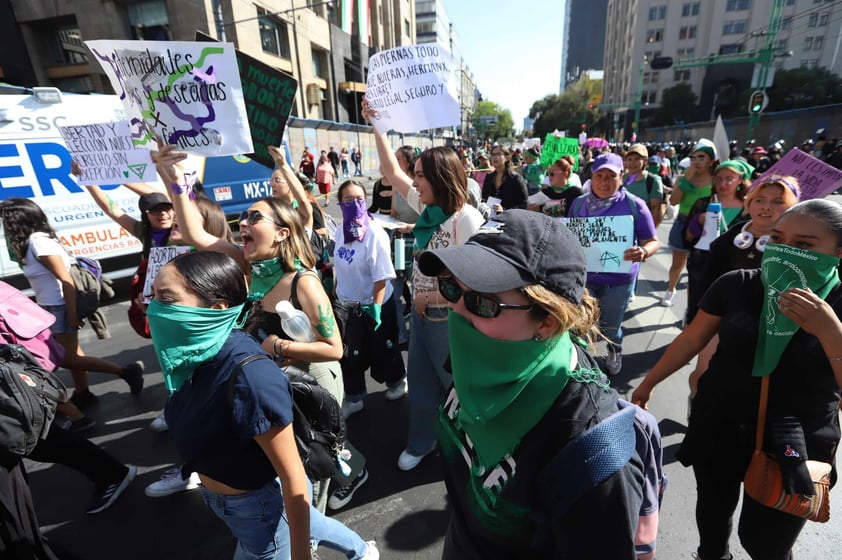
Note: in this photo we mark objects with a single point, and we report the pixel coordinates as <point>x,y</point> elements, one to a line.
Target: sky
<point>513,49</point>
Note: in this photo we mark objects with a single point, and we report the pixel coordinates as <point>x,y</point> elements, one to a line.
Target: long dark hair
<point>21,218</point>
<point>213,277</point>
<point>444,171</point>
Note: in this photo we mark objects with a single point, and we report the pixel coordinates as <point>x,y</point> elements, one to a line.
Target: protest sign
<point>411,89</point>
<point>556,146</point>
<point>187,93</point>
<point>816,178</point>
<point>269,95</point>
<point>158,257</point>
<point>605,239</point>
<point>106,155</point>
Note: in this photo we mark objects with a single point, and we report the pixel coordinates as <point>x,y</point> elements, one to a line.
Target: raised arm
<point>388,162</point>
<point>295,187</point>
<point>111,209</point>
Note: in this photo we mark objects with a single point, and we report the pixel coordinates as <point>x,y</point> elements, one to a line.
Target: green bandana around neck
<point>504,387</point>
<point>784,267</point>
<point>185,337</point>
<point>430,219</point>
<point>265,275</point>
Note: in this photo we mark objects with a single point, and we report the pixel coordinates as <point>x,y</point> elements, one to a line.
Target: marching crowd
<point>501,317</point>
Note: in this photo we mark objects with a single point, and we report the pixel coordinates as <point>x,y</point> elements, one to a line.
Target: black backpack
<point>318,423</point>
<point>28,398</point>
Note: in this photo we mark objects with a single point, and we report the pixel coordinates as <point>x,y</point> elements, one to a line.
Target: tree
<point>802,87</point>
<point>567,111</point>
<point>499,129</point>
<point>678,104</point>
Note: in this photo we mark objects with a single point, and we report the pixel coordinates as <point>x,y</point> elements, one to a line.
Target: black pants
<point>369,348</point>
<point>696,263</point>
<point>20,537</point>
<point>78,453</point>
<point>765,533</point>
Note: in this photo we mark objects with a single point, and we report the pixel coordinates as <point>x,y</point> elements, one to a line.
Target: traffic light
<point>757,102</point>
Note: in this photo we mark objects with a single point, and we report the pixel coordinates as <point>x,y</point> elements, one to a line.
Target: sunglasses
<point>478,304</point>
<point>254,217</point>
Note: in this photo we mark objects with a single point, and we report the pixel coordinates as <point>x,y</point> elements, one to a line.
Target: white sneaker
<point>667,299</point>
<point>351,407</point>
<point>172,483</point>
<point>631,297</point>
<point>397,392</point>
<point>614,362</point>
<point>407,461</point>
<point>159,424</point>
<point>371,552</point>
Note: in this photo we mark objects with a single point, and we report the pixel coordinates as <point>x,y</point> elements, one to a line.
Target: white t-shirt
<point>47,287</point>
<point>360,264</point>
<point>456,230</point>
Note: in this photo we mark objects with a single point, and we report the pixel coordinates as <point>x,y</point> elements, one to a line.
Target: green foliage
<point>803,87</point>
<point>678,104</point>
<point>566,112</point>
<point>503,127</point>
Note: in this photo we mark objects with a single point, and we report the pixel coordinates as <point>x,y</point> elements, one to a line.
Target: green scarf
<point>504,387</point>
<point>265,275</point>
<point>430,219</point>
<point>784,267</point>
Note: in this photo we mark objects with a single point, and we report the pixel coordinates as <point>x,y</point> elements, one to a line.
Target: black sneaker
<point>104,497</point>
<point>83,399</point>
<point>341,496</point>
<point>82,424</point>
<point>133,375</point>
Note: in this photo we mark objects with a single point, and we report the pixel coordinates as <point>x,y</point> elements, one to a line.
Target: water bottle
<point>400,254</point>
<point>295,322</point>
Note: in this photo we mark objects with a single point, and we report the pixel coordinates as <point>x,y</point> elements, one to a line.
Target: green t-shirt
<point>638,188</point>
<point>730,214</point>
<point>692,193</point>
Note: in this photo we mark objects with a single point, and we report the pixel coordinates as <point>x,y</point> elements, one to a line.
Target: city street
<point>405,512</point>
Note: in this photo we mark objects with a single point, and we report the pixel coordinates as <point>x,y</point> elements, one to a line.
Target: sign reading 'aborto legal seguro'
<point>411,89</point>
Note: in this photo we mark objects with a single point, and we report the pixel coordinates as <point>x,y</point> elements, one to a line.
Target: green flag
<point>784,267</point>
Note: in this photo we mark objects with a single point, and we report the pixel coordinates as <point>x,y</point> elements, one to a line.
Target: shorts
<point>676,237</point>
<point>62,325</point>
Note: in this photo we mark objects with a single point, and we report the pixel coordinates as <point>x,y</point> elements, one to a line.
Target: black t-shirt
<point>381,198</point>
<point>724,256</point>
<point>559,204</point>
<point>512,192</point>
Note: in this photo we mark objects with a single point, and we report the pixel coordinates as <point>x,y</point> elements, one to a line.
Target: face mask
<point>185,337</point>
<point>354,219</point>
<point>784,267</point>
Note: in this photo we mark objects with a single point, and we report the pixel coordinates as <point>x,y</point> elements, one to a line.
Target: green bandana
<point>504,387</point>
<point>185,337</point>
<point>784,267</point>
<point>742,168</point>
<point>430,219</point>
<point>264,276</point>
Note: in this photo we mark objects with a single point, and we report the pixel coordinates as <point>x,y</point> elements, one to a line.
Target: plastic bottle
<point>400,255</point>
<point>295,322</point>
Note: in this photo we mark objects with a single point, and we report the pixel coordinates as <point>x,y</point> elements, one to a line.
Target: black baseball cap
<point>515,249</point>
<point>151,200</point>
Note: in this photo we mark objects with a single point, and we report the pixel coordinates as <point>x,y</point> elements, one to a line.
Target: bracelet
<point>835,358</point>
<point>187,189</point>
<point>275,349</point>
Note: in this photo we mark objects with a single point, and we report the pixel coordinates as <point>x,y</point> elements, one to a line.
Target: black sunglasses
<point>255,217</point>
<point>478,304</point>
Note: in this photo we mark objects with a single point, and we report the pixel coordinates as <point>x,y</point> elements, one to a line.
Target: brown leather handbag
<point>764,483</point>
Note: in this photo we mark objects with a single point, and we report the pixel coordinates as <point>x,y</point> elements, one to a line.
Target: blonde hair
<point>581,320</point>
<point>296,251</point>
<point>789,196</point>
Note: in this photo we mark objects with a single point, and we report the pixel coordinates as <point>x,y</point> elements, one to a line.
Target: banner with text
<point>158,257</point>
<point>106,155</point>
<point>411,89</point>
<point>556,146</point>
<point>605,239</point>
<point>188,93</point>
<point>816,178</point>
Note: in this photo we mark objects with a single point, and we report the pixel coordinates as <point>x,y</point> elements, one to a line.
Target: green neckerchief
<point>265,275</point>
<point>784,267</point>
<point>504,387</point>
<point>430,219</point>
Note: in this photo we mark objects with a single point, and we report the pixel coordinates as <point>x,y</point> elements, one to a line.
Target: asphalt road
<point>406,513</point>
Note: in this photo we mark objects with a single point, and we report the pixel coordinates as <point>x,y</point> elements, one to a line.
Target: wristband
<point>835,358</point>
<point>278,356</point>
<point>178,189</point>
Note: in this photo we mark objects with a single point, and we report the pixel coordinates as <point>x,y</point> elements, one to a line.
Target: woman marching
<point>782,321</point>
<point>503,183</point>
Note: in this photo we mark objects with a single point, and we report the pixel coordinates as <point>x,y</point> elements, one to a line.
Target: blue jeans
<point>613,301</point>
<point>257,520</point>
<point>429,347</point>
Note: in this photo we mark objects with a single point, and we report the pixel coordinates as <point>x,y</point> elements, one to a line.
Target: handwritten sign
<point>555,147</point>
<point>158,257</point>
<point>816,178</point>
<point>269,95</point>
<point>106,155</point>
<point>411,89</point>
<point>604,239</point>
<point>187,93</point>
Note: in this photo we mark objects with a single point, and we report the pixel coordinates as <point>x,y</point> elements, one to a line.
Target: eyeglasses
<point>478,304</point>
<point>254,217</point>
<point>161,209</point>
<point>349,199</point>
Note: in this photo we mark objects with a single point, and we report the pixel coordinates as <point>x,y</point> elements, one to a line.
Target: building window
<point>406,28</point>
<point>70,49</point>
<point>813,21</point>
<point>808,43</point>
<point>737,5</point>
<point>810,63</point>
<point>319,63</point>
<point>650,96</point>
<point>681,76</point>
<point>790,2</point>
<point>786,23</point>
<point>823,19</point>
<point>274,36</point>
<point>655,77</point>
<point>781,43</point>
<point>691,9</point>
<point>148,20</point>
<point>818,43</point>
<point>688,52</point>
<point>655,35</point>
<point>657,12</point>
<point>734,27</point>
<point>730,49</point>
<point>687,32</point>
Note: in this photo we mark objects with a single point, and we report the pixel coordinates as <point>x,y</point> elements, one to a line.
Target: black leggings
<point>78,453</point>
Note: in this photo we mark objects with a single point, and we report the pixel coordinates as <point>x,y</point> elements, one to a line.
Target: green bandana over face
<point>430,219</point>
<point>185,337</point>
<point>784,267</point>
<point>504,387</point>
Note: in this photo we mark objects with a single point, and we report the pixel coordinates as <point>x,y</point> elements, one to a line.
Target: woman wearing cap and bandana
<point>695,184</point>
<point>524,386</point>
<point>782,321</point>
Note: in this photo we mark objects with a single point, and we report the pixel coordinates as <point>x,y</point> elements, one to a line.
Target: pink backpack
<point>24,322</point>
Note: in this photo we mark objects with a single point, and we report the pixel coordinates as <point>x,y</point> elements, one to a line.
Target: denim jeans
<point>429,347</point>
<point>257,520</point>
<point>613,301</point>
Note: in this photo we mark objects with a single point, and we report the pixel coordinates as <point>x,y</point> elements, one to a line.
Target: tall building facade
<point>584,39</point>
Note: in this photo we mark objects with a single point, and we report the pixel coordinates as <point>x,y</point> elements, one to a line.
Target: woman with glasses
<point>695,184</point>
<point>438,190</point>
<point>503,183</point>
<point>524,386</point>
<point>554,200</point>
